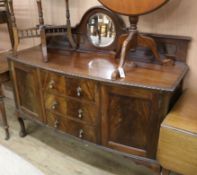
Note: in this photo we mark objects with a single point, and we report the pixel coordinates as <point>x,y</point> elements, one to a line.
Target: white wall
<point>178,17</point>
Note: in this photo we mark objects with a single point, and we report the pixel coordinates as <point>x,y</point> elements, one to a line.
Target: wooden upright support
<point>40,12</point>
<point>69,29</point>
<point>131,41</point>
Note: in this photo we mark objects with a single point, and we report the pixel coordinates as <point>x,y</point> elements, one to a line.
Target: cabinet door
<point>129,120</point>
<point>27,90</point>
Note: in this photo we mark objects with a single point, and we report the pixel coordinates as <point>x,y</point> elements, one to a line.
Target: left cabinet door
<point>27,90</point>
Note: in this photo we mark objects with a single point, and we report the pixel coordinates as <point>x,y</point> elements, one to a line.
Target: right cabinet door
<point>130,120</point>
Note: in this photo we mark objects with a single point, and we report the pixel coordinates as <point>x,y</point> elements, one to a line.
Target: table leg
<point>3,115</point>
<point>22,125</point>
<point>165,172</point>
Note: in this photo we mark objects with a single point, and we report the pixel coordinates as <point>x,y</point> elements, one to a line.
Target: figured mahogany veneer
<point>81,89</point>
<point>73,127</point>
<point>28,91</point>
<point>74,93</point>
<point>82,111</point>
<point>100,66</point>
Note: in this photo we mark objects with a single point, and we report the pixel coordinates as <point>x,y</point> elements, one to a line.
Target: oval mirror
<point>101,30</point>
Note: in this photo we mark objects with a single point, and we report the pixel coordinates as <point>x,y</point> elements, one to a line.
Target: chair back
<point>24,33</point>
<point>5,17</point>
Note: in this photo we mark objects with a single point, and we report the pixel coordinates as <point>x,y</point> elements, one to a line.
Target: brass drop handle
<point>80,113</point>
<point>51,84</point>
<point>81,133</point>
<point>54,105</point>
<point>79,90</point>
<point>56,125</point>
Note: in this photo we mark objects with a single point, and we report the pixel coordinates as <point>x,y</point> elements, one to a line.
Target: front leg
<point>22,132</point>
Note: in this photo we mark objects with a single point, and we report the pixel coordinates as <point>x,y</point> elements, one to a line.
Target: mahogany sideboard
<point>74,93</point>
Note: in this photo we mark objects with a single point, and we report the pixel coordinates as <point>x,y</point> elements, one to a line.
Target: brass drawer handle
<point>79,90</point>
<point>80,113</point>
<point>81,133</point>
<point>51,84</point>
<point>56,125</point>
<point>54,105</point>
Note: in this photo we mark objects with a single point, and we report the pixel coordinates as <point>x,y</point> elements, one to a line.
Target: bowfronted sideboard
<point>74,94</point>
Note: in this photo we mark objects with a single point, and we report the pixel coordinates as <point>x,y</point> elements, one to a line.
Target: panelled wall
<point>178,17</point>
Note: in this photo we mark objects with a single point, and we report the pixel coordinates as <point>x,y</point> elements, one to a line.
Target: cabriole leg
<point>22,125</point>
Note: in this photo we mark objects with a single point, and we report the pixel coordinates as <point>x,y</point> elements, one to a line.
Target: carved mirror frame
<point>85,42</point>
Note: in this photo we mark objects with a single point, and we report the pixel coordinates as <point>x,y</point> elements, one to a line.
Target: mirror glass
<point>101,30</point>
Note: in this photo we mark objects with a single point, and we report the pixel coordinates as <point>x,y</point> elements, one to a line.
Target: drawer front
<point>85,112</point>
<point>71,127</point>
<point>81,89</point>
<point>77,88</point>
<point>55,103</point>
<point>53,83</point>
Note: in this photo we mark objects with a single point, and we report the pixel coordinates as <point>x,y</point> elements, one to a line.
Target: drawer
<point>85,112</point>
<point>55,103</point>
<point>53,83</point>
<point>77,88</point>
<point>81,89</point>
<point>71,127</point>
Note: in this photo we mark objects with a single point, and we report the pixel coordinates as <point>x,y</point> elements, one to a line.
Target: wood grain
<point>81,111</point>
<point>67,154</point>
<point>128,117</point>
<point>177,150</point>
<point>124,115</point>
<point>133,7</point>
<point>100,67</point>
<point>65,86</point>
<point>87,92</point>
<point>27,87</point>
<point>170,19</point>
<point>72,127</point>
<point>184,116</point>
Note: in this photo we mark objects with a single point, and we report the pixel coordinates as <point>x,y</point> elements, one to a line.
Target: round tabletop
<point>133,7</point>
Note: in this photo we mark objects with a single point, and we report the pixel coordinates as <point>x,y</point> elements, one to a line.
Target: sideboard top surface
<point>99,66</point>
